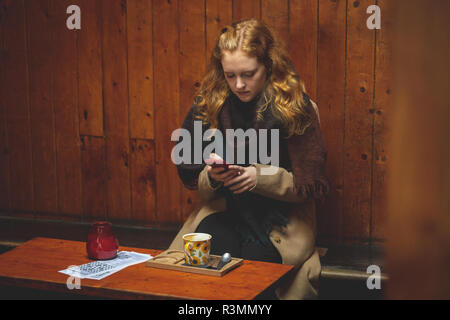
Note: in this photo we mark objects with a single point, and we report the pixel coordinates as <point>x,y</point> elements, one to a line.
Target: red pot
<point>102,244</point>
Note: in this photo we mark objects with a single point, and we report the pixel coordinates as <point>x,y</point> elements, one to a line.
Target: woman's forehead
<point>238,61</point>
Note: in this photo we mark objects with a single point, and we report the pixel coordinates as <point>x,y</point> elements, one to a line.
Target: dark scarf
<point>304,155</point>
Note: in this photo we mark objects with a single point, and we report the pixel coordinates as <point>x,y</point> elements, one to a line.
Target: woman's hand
<point>220,174</point>
<point>243,180</point>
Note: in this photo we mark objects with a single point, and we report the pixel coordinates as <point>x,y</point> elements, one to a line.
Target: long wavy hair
<point>283,90</point>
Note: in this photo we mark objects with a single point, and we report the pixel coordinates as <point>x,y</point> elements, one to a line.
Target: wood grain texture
<point>219,13</point>
<point>17,174</point>
<point>90,68</point>
<point>143,186</point>
<point>128,78</point>
<point>47,256</point>
<point>330,99</point>
<point>4,163</point>
<point>94,178</point>
<point>4,157</point>
<point>65,101</point>
<point>4,153</point>
<point>275,13</point>
<point>245,9</point>
<point>383,110</point>
<point>40,55</point>
<point>167,108</point>
<point>359,116</point>
<point>140,68</point>
<point>303,37</point>
<point>115,88</point>
<point>192,68</point>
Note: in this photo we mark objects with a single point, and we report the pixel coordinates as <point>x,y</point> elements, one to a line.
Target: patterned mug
<point>197,247</point>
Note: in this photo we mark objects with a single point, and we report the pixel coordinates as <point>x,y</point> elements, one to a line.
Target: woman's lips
<point>243,93</point>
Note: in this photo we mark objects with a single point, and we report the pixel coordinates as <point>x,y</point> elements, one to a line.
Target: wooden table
<point>36,263</point>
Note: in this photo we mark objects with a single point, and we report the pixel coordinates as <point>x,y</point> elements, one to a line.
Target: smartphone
<point>217,163</point>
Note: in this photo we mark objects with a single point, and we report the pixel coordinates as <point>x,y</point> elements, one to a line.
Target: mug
<point>197,247</point>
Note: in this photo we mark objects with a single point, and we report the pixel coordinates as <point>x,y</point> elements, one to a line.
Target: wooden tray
<point>174,260</point>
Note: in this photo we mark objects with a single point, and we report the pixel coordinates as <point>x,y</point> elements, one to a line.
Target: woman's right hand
<point>220,174</point>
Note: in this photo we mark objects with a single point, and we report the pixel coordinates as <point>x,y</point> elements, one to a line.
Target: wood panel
<point>383,108</point>
<point>140,80</point>
<point>94,178</point>
<point>244,9</point>
<point>359,114</point>
<point>219,13</point>
<point>167,101</point>
<point>303,34</point>
<point>16,106</point>
<point>192,69</point>
<point>140,68</point>
<point>128,77</point>
<point>143,191</point>
<point>40,35</point>
<point>330,99</point>
<point>65,101</point>
<point>275,13</point>
<point>4,152</point>
<point>115,88</point>
<point>90,69</point>
<point>4,162</point>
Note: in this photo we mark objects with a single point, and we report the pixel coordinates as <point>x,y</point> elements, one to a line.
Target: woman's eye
<point>249,75</point>
<point>229,76</point>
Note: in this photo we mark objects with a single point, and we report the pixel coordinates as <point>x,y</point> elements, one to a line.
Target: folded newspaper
<point>98,270</point>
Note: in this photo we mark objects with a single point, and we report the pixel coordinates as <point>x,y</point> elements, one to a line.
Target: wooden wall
<point>86,116</point>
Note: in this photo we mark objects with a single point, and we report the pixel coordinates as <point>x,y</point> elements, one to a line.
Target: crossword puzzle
<point>94,267</point>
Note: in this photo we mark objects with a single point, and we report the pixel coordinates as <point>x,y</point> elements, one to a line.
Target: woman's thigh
<point>259,252</point>
<point>225,238</point>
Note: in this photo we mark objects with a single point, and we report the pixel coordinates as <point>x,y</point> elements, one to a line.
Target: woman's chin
<point>245,98</point>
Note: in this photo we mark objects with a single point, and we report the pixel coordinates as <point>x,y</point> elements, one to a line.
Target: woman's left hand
<point>245,180</point>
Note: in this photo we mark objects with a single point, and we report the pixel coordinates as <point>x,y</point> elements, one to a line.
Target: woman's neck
<point>243,113</point>
<point>246,104</point>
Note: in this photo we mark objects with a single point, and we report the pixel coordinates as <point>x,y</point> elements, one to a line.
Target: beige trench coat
<point>295,242</point>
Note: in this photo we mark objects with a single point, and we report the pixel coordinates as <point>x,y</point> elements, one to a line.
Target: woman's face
<point>245,75</point>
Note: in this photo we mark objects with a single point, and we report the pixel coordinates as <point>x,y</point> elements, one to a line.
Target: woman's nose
<point>239,83</point>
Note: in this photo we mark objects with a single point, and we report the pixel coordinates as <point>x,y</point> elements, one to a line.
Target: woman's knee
<point>259,252</point>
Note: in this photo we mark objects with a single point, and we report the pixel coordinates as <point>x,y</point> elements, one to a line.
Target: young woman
<point>252,84</point>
